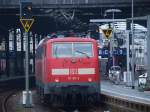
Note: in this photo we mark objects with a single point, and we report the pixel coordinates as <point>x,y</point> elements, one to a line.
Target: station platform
<point>123,92</point>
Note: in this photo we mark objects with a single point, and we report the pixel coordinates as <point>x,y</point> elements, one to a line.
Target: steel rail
<point>6,98</point>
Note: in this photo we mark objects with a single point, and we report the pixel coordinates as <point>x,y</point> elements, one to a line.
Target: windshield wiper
<point>55,52</point>
<point>83,53</point>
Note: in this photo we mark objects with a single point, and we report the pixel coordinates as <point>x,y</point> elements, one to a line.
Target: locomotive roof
<point>69,39</point>
<point>64,39</point>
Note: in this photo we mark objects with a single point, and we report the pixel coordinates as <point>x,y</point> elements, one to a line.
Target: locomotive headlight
<point>56,80</point>
<point>90,79</point>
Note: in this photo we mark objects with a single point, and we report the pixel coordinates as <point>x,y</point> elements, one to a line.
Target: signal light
<point>26,9</point>
<point>94,31</point>
<point>29,8</point>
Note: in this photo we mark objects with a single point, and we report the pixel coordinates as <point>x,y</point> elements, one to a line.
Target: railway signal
<point>26,9</point>
<point>107,33</point>
<point>94,31</point>
<point>26,21</point>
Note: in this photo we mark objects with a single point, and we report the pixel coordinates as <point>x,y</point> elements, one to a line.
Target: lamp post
<point>112,40</point>
<point>132,30</point>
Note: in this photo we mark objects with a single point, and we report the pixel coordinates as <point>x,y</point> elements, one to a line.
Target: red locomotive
<point>68,67</point>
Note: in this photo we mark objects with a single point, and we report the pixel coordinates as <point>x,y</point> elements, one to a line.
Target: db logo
<point>73,71</point>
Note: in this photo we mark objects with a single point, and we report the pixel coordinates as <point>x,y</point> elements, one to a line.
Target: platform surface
<point>123,92</point>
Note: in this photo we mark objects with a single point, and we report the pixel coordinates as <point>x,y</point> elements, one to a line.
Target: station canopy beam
<point>107,20</point>
<point>138,18</point>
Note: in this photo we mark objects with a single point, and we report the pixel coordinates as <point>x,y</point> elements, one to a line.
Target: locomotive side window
<point>39,52</point>
<point>62,50</point>
<point>83,50</point>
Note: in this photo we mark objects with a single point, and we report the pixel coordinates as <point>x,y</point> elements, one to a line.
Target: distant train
<point>68,68</point>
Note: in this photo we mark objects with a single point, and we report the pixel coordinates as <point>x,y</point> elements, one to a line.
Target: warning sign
<point>26,23</point>
<point>107,33</point>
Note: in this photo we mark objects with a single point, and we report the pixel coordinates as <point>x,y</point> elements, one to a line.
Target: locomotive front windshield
<point>76,49</point>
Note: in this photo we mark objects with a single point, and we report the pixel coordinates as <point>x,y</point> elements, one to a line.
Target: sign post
<point>27,96</point>
<point>26,21</point>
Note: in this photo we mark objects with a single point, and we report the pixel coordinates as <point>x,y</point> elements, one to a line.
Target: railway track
<point>81,109</point>
<point>14,95</point>
<point>113,104</point>
<point>7,89</point>
<point>4,96</point>
<point>71,108</point>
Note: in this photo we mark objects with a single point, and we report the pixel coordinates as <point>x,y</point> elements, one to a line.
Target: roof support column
<point>148,46</point>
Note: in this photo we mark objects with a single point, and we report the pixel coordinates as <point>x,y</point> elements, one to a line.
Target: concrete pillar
<point>15,51</point>
<point>7,54</point>
<point>128,48</point>
<point>148,46</point>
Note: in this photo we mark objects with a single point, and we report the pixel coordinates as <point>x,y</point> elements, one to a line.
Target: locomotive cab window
<point>83,50</point>
<point>70,49</point>
<point>62,50</point>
